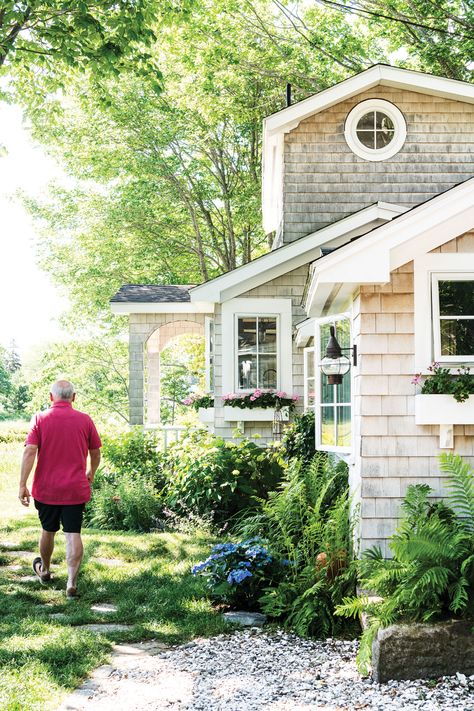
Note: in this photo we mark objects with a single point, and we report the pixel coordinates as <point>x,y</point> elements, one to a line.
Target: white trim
<point>135,307</point>
<point>318,404</point>
<point>437,318</point>
<point>208,321</point>
<point>309,353</point>
<point>304,332</point>
<point>413,234</point>
<point>375,154</point>
<point>254,414</point>
<point>294,255</point>
<point>275,126</point>
<point>257,307</point>
<point>450,265</point>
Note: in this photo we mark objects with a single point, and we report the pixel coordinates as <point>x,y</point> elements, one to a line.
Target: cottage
<point>368,188</point>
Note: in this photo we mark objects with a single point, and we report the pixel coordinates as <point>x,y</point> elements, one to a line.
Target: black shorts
<point>51,515</point>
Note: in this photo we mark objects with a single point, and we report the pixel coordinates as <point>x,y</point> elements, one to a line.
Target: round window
<point>375,130</point>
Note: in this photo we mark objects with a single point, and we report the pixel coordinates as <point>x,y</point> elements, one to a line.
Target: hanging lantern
<point>277,428</point>
<point>335,364</point>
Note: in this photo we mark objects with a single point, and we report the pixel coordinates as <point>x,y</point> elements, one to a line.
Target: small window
<point>257,352</point>
<point>309,379</point>
<point>375,130</point>
<point>453,317</point>
<point>334,402</point>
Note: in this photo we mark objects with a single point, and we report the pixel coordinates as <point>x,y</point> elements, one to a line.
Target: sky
<point>29,303</point>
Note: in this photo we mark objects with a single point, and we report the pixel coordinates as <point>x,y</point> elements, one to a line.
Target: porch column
<point>136,363</point>
<point>153,388</point>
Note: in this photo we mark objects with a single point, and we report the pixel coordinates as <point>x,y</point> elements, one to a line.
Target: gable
<point>305,155</point>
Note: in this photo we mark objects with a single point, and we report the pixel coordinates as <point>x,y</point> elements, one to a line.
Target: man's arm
<point>27,463</point>
<point>95,461</point>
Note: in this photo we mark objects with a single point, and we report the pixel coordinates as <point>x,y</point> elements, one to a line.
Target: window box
<point>206,414</point>
<point>443,410</point>
<point>254,414</point>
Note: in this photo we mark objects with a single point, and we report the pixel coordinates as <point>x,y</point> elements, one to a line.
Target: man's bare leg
<point>46,547</point>
<point>74,553</point>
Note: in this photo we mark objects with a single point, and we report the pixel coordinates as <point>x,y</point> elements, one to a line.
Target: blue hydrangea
<point>236,576</point>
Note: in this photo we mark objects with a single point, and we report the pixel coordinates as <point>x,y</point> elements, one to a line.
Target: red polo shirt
<point>64,437</point>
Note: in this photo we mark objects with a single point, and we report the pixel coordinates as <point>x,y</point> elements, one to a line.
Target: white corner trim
<point>258,307</point>
<point>292,256</point>
<point>375,154</point>
<point>425,266</point>
<point>197,307</point>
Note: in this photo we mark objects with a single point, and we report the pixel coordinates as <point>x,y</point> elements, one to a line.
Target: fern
<point>460,485</point>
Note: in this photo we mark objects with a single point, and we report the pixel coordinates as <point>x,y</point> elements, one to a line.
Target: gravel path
<point>253,670</point>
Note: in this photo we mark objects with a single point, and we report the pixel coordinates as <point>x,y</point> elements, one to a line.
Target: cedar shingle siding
<point>324,181</point>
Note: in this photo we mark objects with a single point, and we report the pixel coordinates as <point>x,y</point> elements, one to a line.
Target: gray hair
<point>62,390</point>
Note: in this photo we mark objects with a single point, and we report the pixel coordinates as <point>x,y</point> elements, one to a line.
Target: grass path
<point>41,657</point>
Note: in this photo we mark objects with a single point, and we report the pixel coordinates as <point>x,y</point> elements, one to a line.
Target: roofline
<point>377,74</point>
<point>161,307</point>
<point>287,119</point>
<point>290,256</point>
<point>424,222</point>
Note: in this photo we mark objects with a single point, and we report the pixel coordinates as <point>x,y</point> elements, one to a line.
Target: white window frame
<point>209,325</point>
<point>430,267</point>
<point>309,353</point>
<point>435,279</point>
<point>375,154</point>
<point>231,311</point>
<point>257,353</point>
<point>318,404</point>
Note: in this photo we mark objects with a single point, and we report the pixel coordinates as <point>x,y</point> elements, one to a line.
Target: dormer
<point>385,135</point>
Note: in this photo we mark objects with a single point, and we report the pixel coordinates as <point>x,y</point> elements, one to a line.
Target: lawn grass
<point>40,657</point>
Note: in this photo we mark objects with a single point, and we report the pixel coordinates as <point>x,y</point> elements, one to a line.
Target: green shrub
<point>299,439</point>
<point>236,573</point>
<point>135,453</point>
<point>210,477</point>
<point>123,503</point>
<point>431,574</point>
<point>307,521</point>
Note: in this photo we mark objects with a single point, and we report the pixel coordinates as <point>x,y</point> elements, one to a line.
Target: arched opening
<point>174,365</point>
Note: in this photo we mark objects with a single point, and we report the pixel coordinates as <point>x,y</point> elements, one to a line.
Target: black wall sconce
<point>334,364</point>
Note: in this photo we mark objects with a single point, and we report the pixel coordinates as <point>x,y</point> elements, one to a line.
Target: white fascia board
<point>291,256</point>
<point>304,332</point>
<point>198,307</point>
<point>376,254</point>
<point>288,118</point>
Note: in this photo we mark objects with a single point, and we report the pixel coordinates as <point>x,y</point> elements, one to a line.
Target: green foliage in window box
<point>196,401</point>
<point>306,521</point>
<point>431,575</point>
<point>261,398</point>
<point>443,382</point>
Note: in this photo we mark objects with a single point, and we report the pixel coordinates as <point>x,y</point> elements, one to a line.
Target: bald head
<point>62,390</point>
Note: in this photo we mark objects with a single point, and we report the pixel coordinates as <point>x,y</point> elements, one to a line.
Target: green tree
<point>433,36</point>
<point>168,187</point>
<point>41,43</point>
<point>97,367</point>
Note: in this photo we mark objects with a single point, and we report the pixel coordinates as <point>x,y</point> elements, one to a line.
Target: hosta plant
<point>431,574</point>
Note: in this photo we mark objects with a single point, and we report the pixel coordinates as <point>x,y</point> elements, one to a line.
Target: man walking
<point>62,438</point>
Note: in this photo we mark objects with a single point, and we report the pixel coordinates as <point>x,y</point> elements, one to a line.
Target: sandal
<point>37,567</point>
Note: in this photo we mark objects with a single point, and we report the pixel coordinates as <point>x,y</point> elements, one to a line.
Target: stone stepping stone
<point>108,627</point>
<point>29,579</point>
<point>111,562</point>
<point>12,568</point>
<point>245,619</point>
<point>104,608</point>
<point>58,616</point>
<point>7,546</point>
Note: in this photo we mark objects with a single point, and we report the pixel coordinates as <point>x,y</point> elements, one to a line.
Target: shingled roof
<point>152,293</point>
